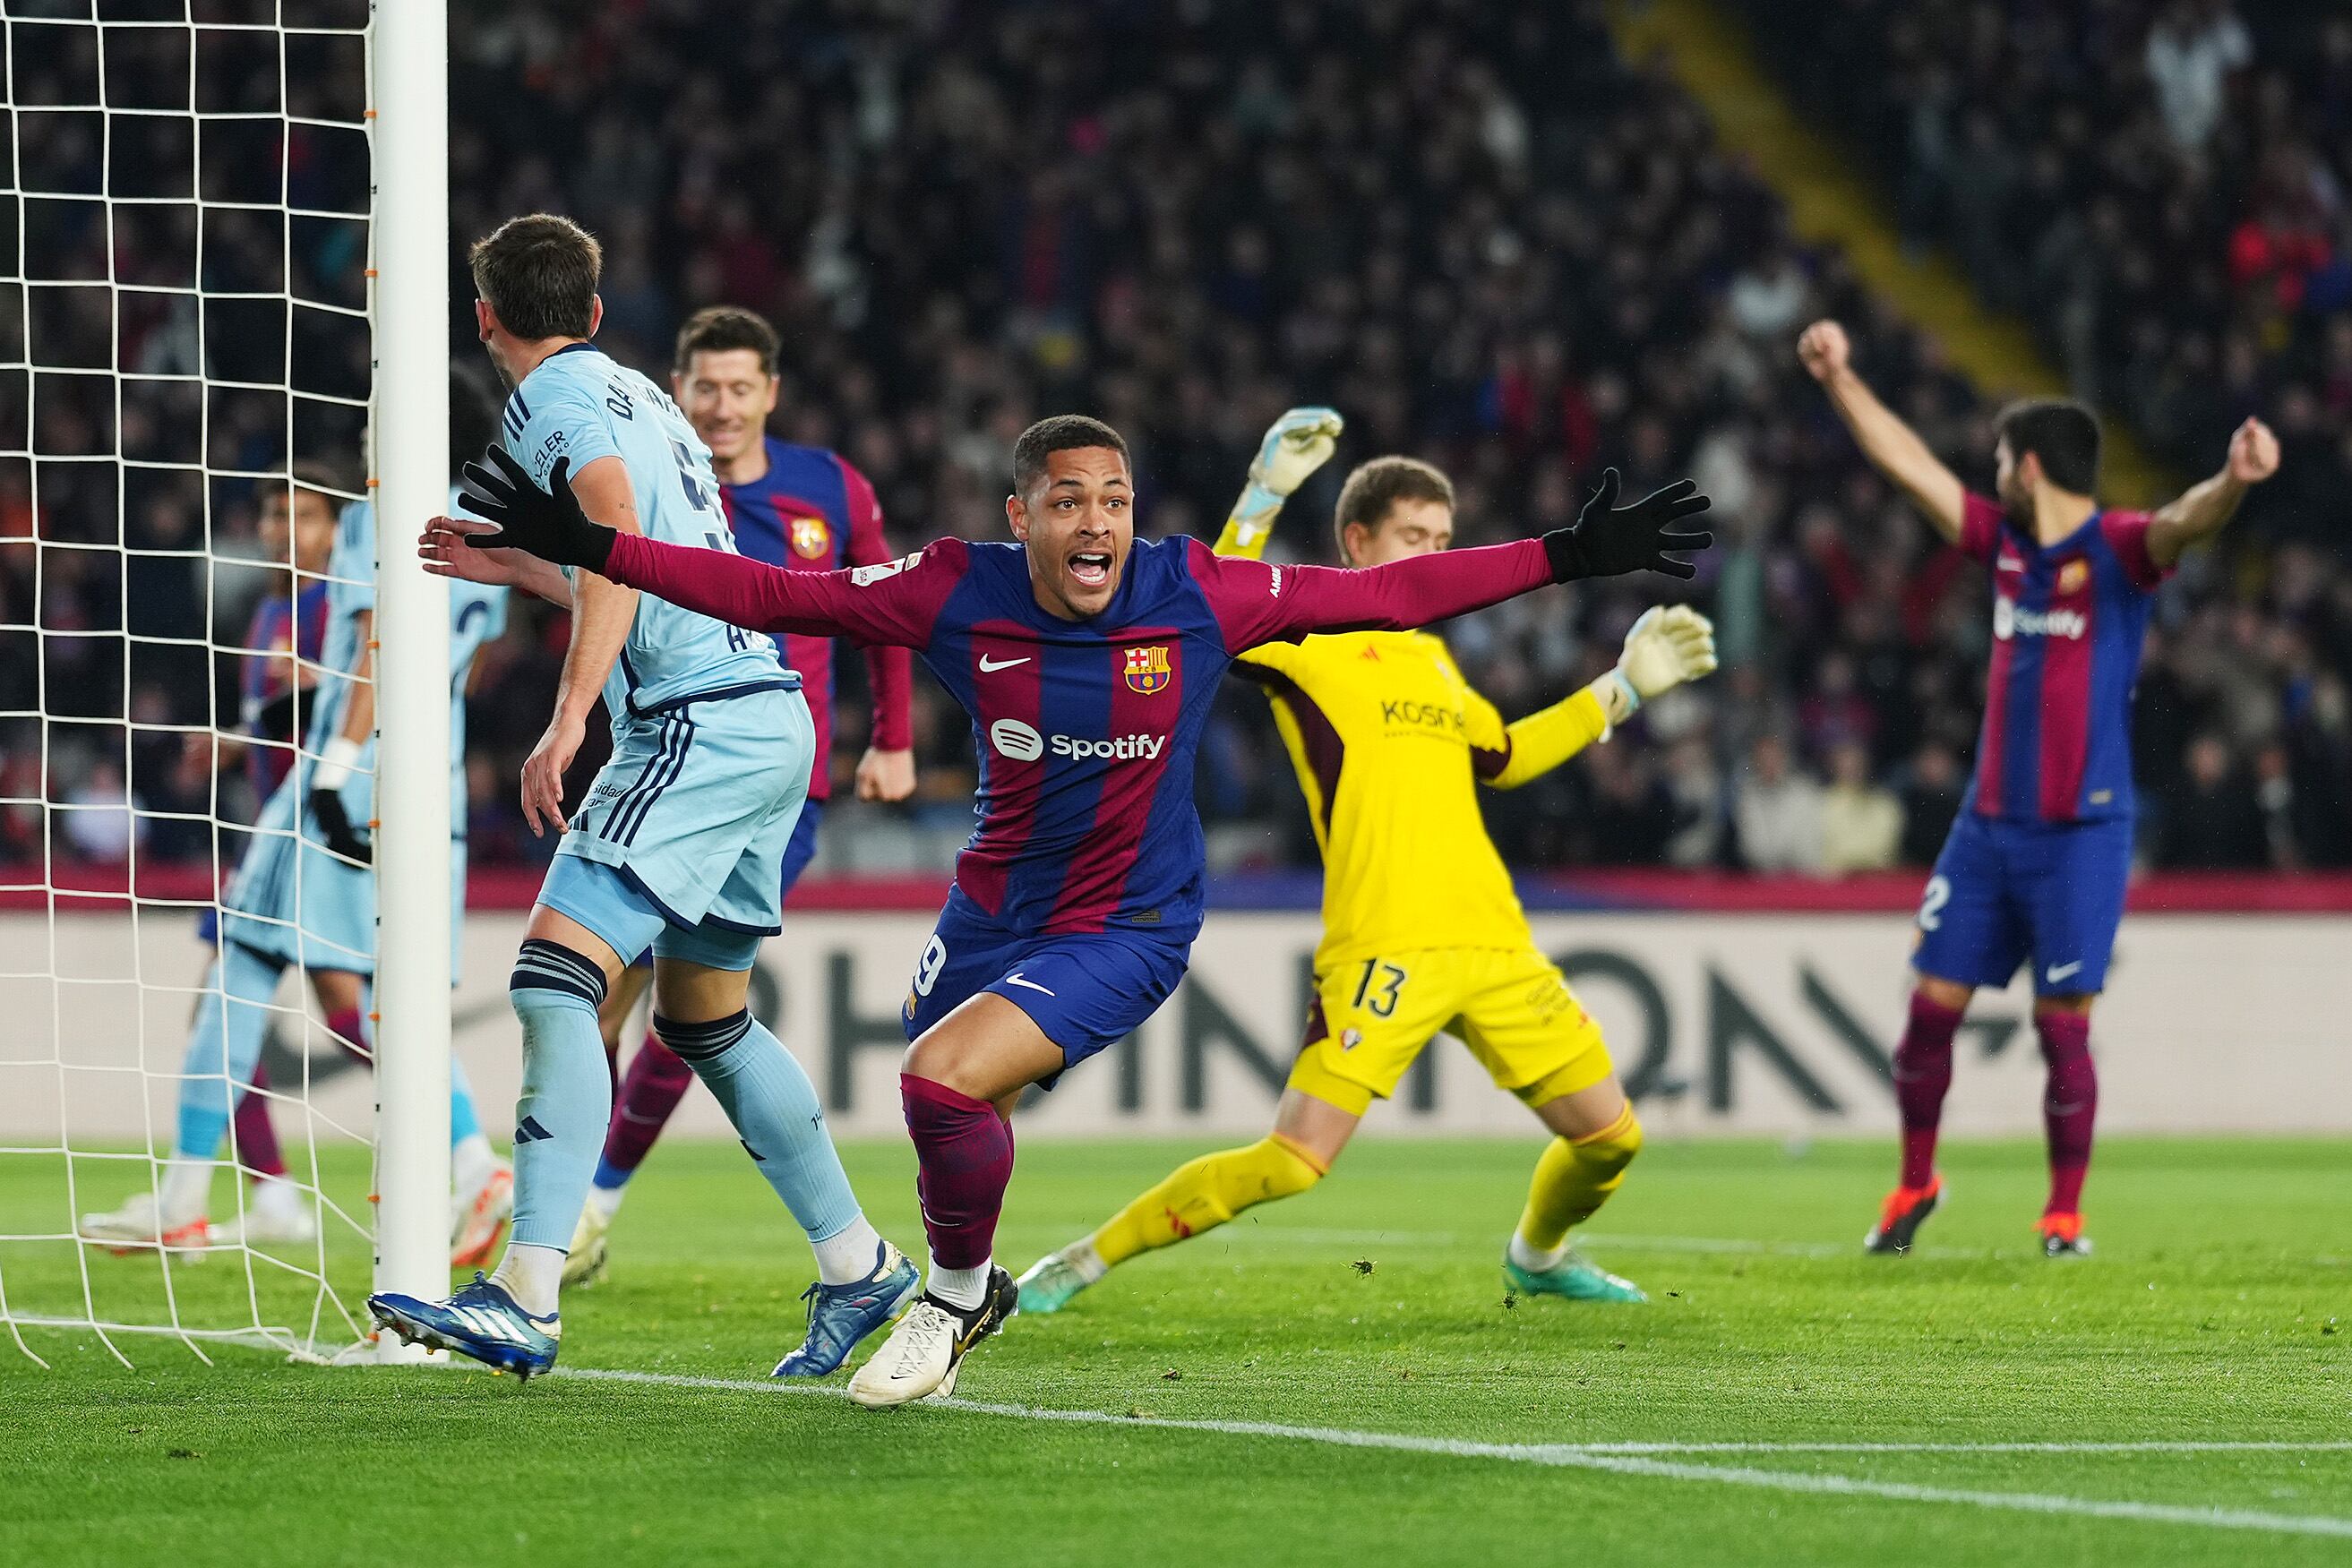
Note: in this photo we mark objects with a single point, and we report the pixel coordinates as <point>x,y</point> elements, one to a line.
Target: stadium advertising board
<point>1720,1024</point>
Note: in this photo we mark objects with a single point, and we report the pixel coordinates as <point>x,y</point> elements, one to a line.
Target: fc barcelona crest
<point>2073,575</point>
<point>811,538</point>
<point>1147,669</point>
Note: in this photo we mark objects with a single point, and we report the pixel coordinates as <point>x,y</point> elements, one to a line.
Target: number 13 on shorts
<point>1378,985</point>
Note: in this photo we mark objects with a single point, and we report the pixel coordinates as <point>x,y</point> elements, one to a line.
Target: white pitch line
<point>1615,1458</point>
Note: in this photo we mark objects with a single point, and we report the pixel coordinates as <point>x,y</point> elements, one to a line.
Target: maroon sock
<point>965,1152</point>
<point>349,1027</point>
<point>656,1080</point>
<point>1923,1072</point>
<point>2069,1106</point>
<point>256,1138</point>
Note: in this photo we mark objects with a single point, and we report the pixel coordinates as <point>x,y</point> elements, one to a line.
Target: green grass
<point>2207,1315</point>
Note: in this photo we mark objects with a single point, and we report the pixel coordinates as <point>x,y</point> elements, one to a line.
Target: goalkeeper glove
<point>1296,445</point>
<point>1609,541</point>
<point>546,523</point>
<point>1668,645</point>
<point>326,801</point>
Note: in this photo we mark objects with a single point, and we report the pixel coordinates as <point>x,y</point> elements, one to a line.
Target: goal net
<point>192,366</point>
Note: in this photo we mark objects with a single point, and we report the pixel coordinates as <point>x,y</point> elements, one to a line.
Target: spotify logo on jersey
<point>1016,740</point>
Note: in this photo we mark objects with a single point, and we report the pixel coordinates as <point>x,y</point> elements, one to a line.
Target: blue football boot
<point>481,1321</point>
<point>841,1315</point>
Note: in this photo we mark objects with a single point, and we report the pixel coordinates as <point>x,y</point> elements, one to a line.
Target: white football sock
<point>607,1201</point>
<point>532,1276</point>
<point>1534,1260</point>
<point>963,1289</point>
<point>276,1198</point>
<point>848,1255</point>
<point>188,1189</point>
<point>471,1161</point>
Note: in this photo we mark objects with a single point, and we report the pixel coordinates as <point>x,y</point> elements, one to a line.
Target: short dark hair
<point>719,328</point>
<point>538,274</point>
<point>1060,432</point>
<point>320,477</point>
<point>1377,486</point>
<point>2061,433</point>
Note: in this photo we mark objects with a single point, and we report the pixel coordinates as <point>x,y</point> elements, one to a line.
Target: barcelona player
<point>797,506</point>
<point>1087,660</point>
<point>1422,931</point>
<point>2034,869</point>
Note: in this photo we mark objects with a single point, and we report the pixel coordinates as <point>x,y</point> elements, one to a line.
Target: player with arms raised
<point>679,846</point>
<point>2035,865</point>
<point>1087,660</point>
<point>796,507</point>
<point>1422,931</point>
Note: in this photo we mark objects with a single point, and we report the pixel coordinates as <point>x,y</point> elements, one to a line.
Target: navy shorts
<point>1085,990</point>
<point>2004,892</point>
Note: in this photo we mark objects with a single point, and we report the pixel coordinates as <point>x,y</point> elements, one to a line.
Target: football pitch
<point>1339,1377</point>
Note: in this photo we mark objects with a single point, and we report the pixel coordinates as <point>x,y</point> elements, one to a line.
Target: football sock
<point>656,1080</point>
<point>852,1254</point>
<point>1923,1072</point>
<point>963,1289</point>
<point>775,1108</point>
<point>963,1152</point>
<point>1202,1194</point>
<point>1574,1176</point>
<point>532,1275</point>
<point>224,1046</point>
<point>471,1161</point>
<point>2069,1105</point>
<point>276,1198</point>
<point>605,1200</point>
<point>257,1136</point>
<point>566,1097</point>
<point>348,1026</point>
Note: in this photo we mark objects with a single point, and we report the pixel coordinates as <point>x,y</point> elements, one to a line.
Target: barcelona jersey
<point>2068,621</point>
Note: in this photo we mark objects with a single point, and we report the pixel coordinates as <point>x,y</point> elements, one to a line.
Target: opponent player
<point>1422,931</point>
<point>2034,869</point>
<point>304,895</point>
<point>797,506</point>
<point>679,846</point>
<point>1087,658</point>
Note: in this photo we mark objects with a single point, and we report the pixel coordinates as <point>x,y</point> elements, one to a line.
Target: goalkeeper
<point>1422,931</point>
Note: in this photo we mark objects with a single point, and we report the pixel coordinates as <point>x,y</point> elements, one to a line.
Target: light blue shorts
<point>299,903</point>
<point>693,815</point>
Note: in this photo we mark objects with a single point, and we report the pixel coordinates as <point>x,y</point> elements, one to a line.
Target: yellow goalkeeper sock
<point>1575,1178</point>
<point>1205,1192</point>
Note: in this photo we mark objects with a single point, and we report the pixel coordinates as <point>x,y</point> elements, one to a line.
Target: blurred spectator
<point>1931,800</point>
<point>2213,820</point>
<point>1778,811</point>
<point>1861,823</point>
<point>100,824</point>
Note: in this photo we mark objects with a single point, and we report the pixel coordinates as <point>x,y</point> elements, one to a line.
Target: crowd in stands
<point>1487,239</point>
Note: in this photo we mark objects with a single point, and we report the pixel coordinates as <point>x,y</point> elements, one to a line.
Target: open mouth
<point>1091,567</point>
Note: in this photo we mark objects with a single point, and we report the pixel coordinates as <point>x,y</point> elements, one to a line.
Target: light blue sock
<point>463,1122</point>
<point>775,1111</point>
<point>566,1096</point>
<point>223,1045</point>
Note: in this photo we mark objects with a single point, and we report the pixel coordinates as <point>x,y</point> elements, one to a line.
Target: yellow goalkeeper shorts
<point>1371,1017</point>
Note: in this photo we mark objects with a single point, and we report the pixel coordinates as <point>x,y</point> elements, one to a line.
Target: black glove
<point>546,523</point>
<point>335,828</point>
<point>1608,541</point>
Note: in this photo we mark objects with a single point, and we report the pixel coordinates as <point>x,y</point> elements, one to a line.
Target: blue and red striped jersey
<point>2068,619</point>
<point>1085,730</point>
<point>283,635</point>
<point>811,511</point>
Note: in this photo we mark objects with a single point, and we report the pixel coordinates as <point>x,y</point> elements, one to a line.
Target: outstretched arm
<point>2203,510</point>
<point>1666,647</point>
<point>1256,602</point>
<point>890,604</point>
<point>1295,446</point>
<point>1893,447</point>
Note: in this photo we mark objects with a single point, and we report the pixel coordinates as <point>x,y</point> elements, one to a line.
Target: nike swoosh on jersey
<point>989,666</point>
<point>2057,972</point>
<point>1027,985</point>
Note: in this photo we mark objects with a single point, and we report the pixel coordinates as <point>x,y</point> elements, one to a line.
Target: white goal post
<point>223,255</point>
